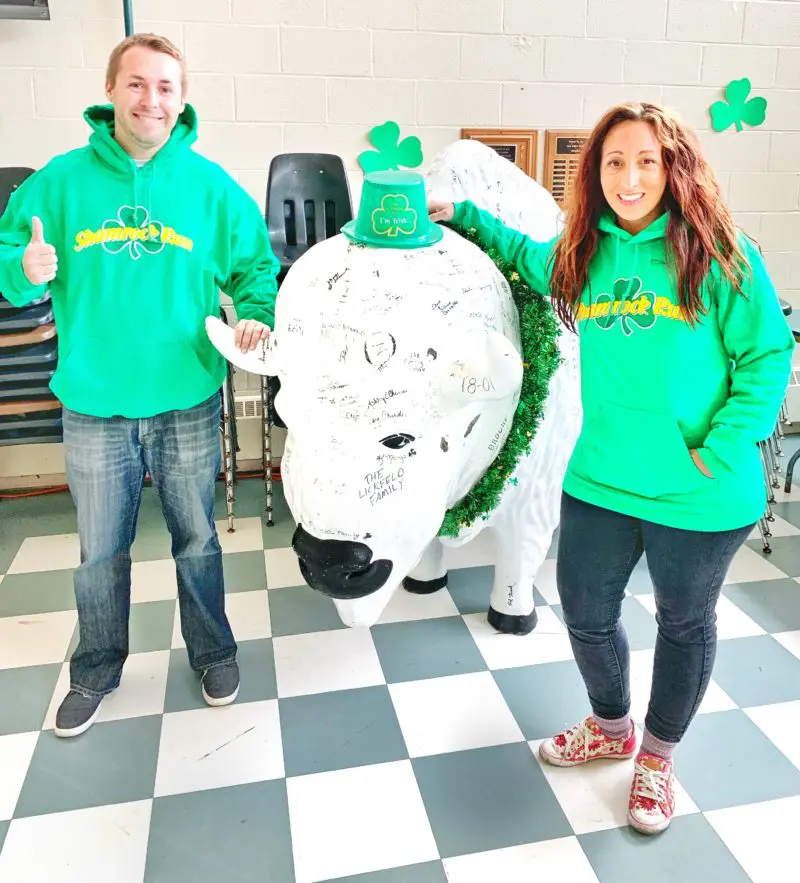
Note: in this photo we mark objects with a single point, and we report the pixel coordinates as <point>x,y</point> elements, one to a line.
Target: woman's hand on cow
<point>249,333</point>
<point>441,211</point>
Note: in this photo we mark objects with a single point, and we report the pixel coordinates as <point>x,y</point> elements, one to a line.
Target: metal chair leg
<point>266,451</point>
<point>227,451</point>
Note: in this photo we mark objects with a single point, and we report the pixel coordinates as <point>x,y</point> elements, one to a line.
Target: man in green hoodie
<point>135,235</point>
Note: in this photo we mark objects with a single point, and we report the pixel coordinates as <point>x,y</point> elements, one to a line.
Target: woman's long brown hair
<point>700,228</point>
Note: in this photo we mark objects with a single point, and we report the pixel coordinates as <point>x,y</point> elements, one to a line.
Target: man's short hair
<point>148,41</point>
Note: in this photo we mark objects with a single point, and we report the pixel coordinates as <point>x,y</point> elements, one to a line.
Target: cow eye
<point>397,440</point>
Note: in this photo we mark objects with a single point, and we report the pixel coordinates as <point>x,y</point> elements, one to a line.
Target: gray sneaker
<point>76,714</point>
<point>220,684</point>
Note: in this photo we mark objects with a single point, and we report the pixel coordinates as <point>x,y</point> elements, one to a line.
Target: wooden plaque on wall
<point>520,146</point>
<point>562,150</point>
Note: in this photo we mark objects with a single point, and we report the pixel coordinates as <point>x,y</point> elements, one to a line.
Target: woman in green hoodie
<point>685,358</point>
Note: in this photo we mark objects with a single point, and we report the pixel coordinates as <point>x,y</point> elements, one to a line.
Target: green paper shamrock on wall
<point>391,151</point>
<point>737,109</point>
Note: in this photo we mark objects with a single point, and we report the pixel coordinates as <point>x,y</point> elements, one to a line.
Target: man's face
<point>147,98</point>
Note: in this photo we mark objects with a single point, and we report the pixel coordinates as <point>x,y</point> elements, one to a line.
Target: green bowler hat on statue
<point>393,212</point>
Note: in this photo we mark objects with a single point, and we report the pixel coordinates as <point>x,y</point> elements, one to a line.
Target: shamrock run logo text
<point>394,216</point>
<point>133,231</point>
<point>629,307</point>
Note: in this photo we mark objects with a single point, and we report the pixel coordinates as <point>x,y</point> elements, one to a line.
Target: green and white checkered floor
<point>401,754</point>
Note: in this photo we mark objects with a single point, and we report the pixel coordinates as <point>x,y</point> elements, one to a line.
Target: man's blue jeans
<point>106,461</point>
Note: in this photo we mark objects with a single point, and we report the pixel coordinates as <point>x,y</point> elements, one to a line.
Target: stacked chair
<point>29,412</point>
<point>308,200</point>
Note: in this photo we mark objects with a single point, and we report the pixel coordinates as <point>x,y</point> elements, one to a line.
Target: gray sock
<point>614,728</point>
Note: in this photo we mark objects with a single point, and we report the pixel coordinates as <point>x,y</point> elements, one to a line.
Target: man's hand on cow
<point>249,333</point>
<point>39,262</point>
<point>441,211</point>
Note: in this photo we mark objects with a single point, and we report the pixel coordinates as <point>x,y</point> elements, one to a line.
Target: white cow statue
<point>400,370</point>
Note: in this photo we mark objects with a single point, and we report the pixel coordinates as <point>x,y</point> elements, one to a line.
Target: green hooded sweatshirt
<point>653,387</point>
<point>142,256</point>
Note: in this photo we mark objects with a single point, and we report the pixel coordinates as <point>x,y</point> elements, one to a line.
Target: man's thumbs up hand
<point>39,259</point>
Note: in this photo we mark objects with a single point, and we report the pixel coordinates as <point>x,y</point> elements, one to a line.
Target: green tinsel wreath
<point>539,331</point>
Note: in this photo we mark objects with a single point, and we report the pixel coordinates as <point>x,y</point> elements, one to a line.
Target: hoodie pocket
<point>636,452</point>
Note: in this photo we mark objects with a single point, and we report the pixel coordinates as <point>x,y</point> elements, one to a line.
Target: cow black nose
<point>339,568</point>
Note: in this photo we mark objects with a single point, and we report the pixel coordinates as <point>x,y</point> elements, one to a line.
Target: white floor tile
<point>248,614</point>
<point>479,552</point>
<point>153,581</point>
<point>789,640</point>
<point>548,642</point>
<point>57,552</point>
<point>595,797</point>
<point>86,846</point>
<point>749,567</point>
<point>247,537</point>
<point>141,690</point>
<point>762,837</point>
<point>16,752</point>
<point>283,570</point>
<point>778,528</point>
<point>545,581</point>
<point>453,714</point>
<point>781,724</point>
<point>553,860</point>
<point>36,639</point>
<point>219,747</point>
<point>731,621</point>
<point>405,606</point>
<point>392,826</point>
<point>322,661</point>
<point>716,699</point>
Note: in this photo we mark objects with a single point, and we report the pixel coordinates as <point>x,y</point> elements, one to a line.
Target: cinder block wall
<point>269,76</point>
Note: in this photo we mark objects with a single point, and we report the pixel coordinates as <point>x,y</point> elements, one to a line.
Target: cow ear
<point>488,368</point>
<point>261,360</point>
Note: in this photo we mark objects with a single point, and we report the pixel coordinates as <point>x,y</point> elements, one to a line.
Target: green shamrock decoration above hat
<point>393,212</point>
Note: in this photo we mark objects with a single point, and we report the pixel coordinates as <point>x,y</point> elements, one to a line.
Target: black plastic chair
<point>308,201</point>
<point>10,178</point>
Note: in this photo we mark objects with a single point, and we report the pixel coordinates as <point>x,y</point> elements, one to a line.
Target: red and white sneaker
<point>585,742</point>
<point>652,801</point>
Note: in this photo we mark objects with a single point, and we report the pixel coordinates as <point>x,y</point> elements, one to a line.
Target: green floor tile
<point>725,760</point>
<point>9,546</point>
<point>430,872</point>
<point>757,671</point>
<point>3,832</point>
<point>244,572</point>
<point>339,730</point>
<point>690,850</point>
<point>23,594</point>
<point>470,588</point>
<point>298,610</point>
<point>25,695</point>
<point>785,554</point>
<point>151,626</point>
<point>488,798</point>
<point>428,648</point>
<point>235,835</point>
<point>774,604</point>
<point>256,671</point>
<point>279,536</point>
<point>152,543</point>
<point>545,699</point>
<point>113,762</point>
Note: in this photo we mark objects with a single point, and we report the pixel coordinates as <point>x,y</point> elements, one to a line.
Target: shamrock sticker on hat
<point>737,109</point>
<point>394,216</point>
<point>392,152</point>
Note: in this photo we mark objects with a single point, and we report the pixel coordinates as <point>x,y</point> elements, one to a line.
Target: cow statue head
<point>399,372</point>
